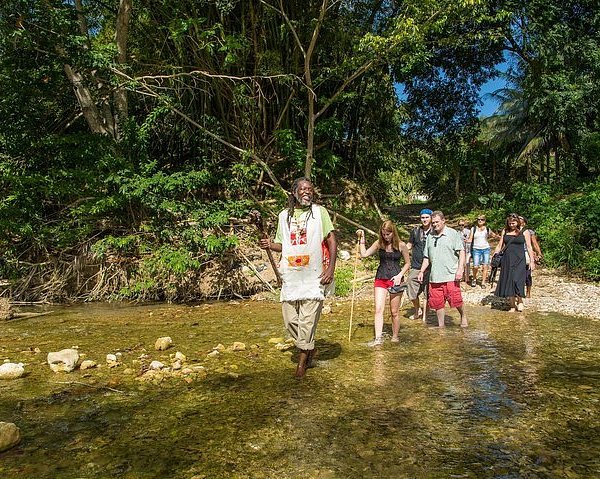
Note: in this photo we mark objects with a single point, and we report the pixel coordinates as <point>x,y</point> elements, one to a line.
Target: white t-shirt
<point>480,239</point>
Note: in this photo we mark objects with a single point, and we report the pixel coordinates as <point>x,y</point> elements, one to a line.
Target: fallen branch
<point>20,316</point>
<point>254,270</point>
<point>353,223</point>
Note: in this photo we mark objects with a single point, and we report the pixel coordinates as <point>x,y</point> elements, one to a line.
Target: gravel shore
<point>550,293</point>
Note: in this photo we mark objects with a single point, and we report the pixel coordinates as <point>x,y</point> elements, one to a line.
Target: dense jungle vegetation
<point>138,134</point>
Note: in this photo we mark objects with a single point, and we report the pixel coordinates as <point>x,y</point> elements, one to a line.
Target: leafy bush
<point>344,273</point>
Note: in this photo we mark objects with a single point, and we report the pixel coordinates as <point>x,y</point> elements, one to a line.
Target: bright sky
<point>489,104</point>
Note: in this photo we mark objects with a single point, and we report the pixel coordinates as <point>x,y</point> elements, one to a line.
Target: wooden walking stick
<point>256,218</point>
<point>353,288</point>
<point>425,293</point>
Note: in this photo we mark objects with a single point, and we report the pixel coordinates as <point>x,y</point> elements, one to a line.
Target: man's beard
<point>304,201</point>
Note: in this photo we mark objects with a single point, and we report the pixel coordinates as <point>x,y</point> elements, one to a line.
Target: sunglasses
<point>480,219</point>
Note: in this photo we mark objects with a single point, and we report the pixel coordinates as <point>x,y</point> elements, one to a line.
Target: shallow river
<point>513,396</point>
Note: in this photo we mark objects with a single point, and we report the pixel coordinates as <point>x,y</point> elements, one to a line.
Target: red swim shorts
<point>439,293</point>
<point>383,283</point>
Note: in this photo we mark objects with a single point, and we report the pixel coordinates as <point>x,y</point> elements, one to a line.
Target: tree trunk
<point>86,102</point>
<point>121,33</point>
<point>311,96</point>
<point>457,181</point>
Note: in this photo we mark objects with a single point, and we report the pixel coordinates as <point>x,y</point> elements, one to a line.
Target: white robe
<point>301,256</point>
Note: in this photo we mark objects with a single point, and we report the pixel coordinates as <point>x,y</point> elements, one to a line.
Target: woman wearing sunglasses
<point>480,249</point>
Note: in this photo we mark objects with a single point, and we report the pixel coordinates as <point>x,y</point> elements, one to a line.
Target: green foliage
<point>565,224</point>
<point>344,273</point>
<point>493,200</point>
<point>290,147</point>
<point>395,88</point>
<point>399,186</point>
<point>160,273</point>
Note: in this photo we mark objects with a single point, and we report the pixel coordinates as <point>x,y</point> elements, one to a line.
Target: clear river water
<point>512,396</point>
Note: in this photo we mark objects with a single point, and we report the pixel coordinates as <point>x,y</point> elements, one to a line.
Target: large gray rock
<point>11,370</point>
<point>63,361</point>
<point>10,435</point>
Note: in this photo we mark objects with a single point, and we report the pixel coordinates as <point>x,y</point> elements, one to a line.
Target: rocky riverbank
<point>551,292</point>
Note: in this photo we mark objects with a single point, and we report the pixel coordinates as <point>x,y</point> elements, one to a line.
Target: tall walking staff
<point>425,299</point>
<point>256,218</point>
<point>356,256</point>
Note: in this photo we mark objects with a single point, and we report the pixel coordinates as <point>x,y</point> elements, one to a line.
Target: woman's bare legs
<point>395,300</point>
<point>485,275</point>
<point>380,297</point>
<point>475,274</point>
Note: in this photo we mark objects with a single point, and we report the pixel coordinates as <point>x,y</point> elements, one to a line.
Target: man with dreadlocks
<point>306,240</point>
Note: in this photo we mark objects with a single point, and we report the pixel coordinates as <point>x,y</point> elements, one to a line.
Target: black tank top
<point>389,264</point>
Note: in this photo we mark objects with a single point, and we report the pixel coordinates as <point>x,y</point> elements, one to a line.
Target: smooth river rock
<point>87,364</point>
<point>10,435</point>
<point>11,370</point>
<point>63,361</point>
<point>163,343</point>
<point>156,365</point>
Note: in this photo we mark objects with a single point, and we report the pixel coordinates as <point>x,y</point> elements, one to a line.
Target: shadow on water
<point>506,398</point>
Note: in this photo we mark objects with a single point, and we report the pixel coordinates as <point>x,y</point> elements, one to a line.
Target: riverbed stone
<point>111,358</point>
<point>87,364</point>
<point>156,365</point>
<point>163,343</point>
<point>11,370</point>
<point>179,356</point>
<point>238,346</point>
<point>176,366</point>
<point>10,435</point>
<point>213,354</point>
<point>276,340</point>
<point>64,360</point>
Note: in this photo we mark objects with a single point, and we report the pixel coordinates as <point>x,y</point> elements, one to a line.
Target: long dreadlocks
<point>292,198</point>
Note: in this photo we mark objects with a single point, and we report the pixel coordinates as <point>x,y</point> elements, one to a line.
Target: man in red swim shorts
<point>444,251</point>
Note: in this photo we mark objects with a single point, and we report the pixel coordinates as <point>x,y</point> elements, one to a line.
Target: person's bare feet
<point>416,315</point>
<point>301,368</point>
<point>395,339</point>
<point>311,360</point>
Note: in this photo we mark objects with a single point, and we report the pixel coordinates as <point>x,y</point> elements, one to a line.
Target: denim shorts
<point>480,256</point>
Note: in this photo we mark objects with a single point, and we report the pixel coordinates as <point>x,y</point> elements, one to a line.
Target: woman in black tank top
<point>390,250</point>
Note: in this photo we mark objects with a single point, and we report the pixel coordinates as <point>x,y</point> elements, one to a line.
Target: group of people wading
<point>432,263</point>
